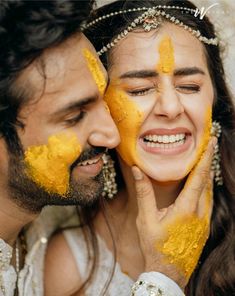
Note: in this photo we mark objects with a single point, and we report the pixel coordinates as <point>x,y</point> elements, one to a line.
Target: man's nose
<point>105,132</point>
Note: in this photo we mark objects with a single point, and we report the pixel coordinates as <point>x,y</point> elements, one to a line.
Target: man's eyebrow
<point>187,71</point>
<point>74,106</point>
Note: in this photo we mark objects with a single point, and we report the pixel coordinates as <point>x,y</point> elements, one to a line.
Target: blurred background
<point>222,15</point>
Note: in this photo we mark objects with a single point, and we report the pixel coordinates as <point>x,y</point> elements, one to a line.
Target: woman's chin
<point>165,176</point>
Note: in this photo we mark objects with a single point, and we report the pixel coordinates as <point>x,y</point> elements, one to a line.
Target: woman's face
<point>161,97</point>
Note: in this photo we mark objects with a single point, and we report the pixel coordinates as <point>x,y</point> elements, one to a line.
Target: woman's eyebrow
<point>187,71</point>
<point>139,74</point>
<point>152,73</point>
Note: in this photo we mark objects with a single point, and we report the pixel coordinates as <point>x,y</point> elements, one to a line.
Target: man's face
<point>67,128</point>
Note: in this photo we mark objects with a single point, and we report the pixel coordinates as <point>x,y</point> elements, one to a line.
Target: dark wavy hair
<point>27,28</point>
<point>215,272</point>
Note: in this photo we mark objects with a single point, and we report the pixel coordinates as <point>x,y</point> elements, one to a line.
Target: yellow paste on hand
<point>186,240</point>
<point>166,63</point>
<point>95,70</point>
<point>48,165</point>
<point>128,119</point>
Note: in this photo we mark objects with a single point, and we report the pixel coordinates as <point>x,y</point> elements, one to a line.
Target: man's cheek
<point>49,165</point>
<point>128,118</point>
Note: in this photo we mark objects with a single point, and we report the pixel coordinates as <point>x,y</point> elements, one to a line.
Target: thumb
<point>146,201</point>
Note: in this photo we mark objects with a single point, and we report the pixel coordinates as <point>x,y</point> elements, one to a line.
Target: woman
<point>166,82</point>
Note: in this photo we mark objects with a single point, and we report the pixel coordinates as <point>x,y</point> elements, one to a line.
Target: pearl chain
<point>152,13</point>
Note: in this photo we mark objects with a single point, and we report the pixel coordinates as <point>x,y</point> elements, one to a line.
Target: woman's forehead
<point>142,49</point>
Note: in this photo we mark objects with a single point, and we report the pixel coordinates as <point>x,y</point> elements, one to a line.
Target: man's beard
<point>32,197</point>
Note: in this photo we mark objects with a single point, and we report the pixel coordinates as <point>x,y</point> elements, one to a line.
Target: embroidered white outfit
<point>121,283</point>
<point>30,280</point>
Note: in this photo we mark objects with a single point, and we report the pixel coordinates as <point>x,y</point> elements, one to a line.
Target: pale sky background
<point>223,17</point>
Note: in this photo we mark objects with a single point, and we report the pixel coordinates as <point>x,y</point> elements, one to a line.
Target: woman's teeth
<point>165,141</point>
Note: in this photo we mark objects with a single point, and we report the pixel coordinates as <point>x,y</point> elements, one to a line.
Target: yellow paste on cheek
<point>95,70</point>
<point>186,239</point>
<point>204,140</point>
<point>166,63</point>
<point>128,119</point>
<point>48,165</point>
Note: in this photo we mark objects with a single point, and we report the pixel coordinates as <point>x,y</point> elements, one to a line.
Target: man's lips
<point>89,167</point>
<point>90,161</point>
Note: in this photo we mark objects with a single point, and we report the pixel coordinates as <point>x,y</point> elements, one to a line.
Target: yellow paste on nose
<point>95,70</point>
<point>166,63</point>
<point>128,119</point>
<point>186,239</point>
<point>204,140</point>
<point>48,165</point>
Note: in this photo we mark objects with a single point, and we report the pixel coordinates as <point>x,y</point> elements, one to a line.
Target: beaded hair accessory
<point>150,19</point>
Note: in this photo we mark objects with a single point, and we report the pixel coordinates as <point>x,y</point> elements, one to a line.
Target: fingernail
<point>137,173</point>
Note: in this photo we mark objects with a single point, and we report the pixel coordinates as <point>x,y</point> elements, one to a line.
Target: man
<point>50,99</point>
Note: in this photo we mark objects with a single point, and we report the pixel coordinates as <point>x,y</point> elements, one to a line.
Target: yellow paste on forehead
<point>166,63</point>
<point>95,70</point>
<point>128,119</point>
<point>186,239</point>
<point>48,165</point>
<point>204,140</point>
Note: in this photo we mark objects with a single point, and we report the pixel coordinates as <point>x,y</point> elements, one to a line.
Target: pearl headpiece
<point>150,19</point>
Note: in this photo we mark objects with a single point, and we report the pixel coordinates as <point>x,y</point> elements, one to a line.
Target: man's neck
<point>12,220</point>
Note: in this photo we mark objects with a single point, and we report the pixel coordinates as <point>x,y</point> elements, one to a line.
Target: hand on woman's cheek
<point>173,238</point>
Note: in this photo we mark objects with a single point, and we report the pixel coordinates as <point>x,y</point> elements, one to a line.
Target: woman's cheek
<point>129,119</point>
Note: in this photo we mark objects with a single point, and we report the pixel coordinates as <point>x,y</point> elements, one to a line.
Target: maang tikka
<point>109,173</point>
<point>216,160</point>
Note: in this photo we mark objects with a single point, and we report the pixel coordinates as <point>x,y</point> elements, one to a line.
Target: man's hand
<point>172,238</point>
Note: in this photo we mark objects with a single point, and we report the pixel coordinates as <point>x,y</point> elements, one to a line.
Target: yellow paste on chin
<point>95,70</point>
<point>186,240</point>
<point>128,119</point>
<point>166,63</point>
<point>48,165</point>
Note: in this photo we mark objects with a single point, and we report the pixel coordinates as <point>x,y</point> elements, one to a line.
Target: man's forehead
<point>50,72</point>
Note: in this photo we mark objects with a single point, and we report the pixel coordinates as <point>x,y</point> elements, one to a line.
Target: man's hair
<point>27,28</point>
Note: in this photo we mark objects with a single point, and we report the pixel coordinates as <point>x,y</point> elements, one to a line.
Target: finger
<point>147,206</point>
<point>205,204</point>
<point>197,180</point>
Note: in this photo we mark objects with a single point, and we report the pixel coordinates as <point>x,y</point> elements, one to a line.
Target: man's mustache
<point>88,154</point>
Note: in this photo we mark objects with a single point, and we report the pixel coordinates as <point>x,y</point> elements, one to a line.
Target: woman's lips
<point>166,141</point>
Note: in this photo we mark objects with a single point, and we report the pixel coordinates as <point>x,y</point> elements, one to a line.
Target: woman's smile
<point>166,141</point>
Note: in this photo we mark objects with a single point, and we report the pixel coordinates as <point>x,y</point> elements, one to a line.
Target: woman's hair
<point>215,272</point>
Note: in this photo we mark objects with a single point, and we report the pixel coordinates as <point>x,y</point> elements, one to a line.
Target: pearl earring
<point>110,185</point>
<point>216,132</point>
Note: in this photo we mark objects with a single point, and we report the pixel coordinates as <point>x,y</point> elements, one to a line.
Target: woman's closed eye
<point>188,88</point>
<point>141,91</point>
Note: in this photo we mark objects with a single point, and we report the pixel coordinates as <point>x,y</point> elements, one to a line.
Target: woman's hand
<point>173,238</point>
